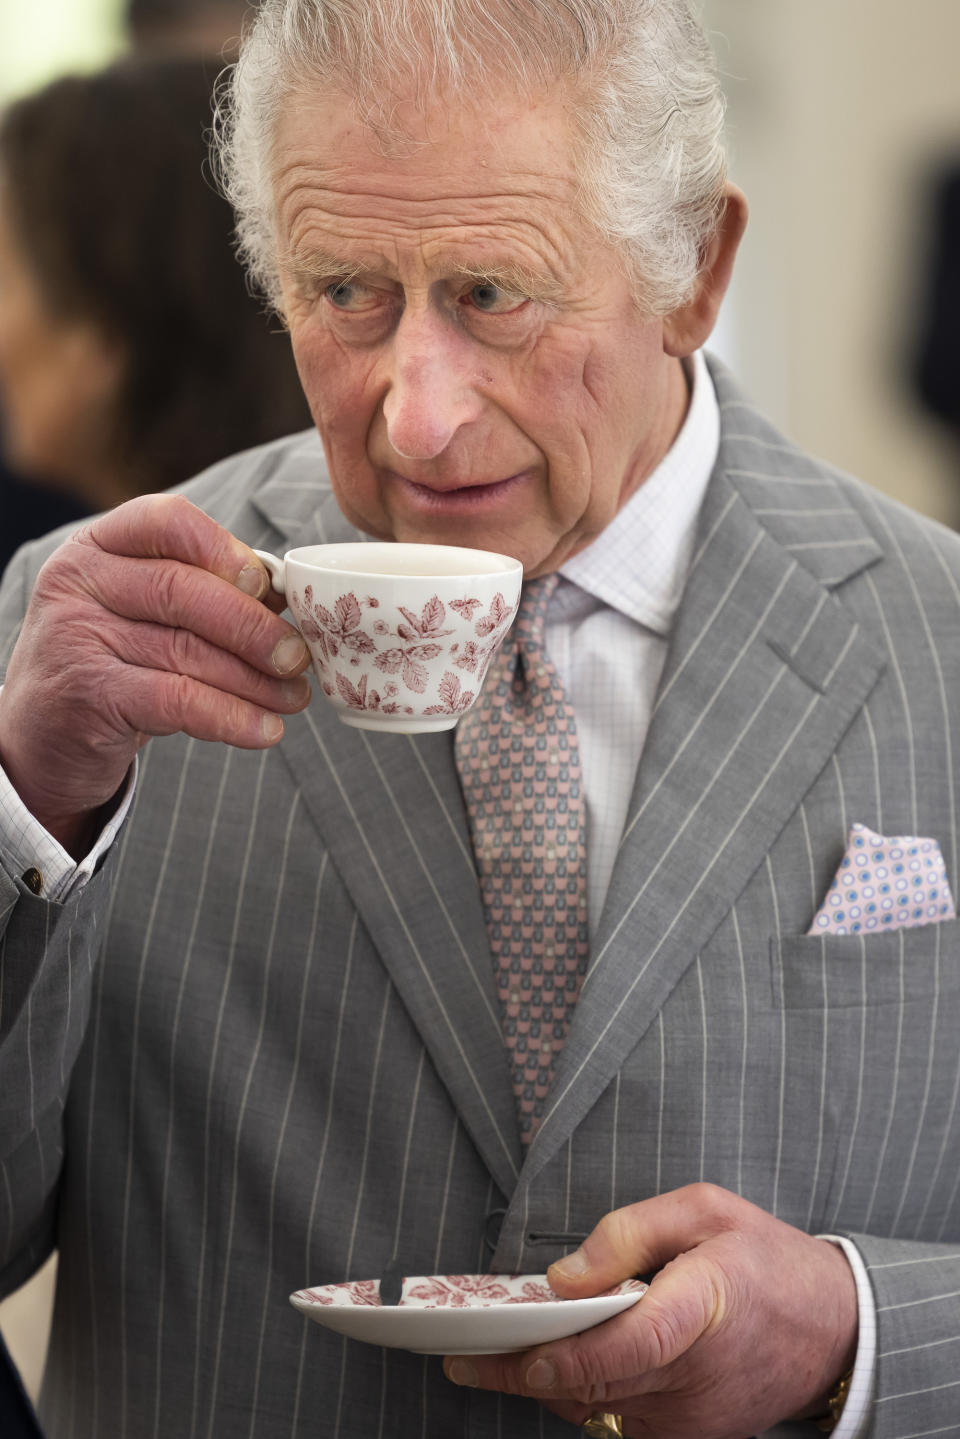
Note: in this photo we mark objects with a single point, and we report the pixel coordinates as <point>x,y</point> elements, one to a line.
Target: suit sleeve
<point>47,957</point>
<point>916,1288</point>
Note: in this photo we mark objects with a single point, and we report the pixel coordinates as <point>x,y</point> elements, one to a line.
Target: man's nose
<point>432,388</point>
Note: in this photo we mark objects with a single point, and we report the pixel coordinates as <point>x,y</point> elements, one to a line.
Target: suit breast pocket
<point>830,971</point>
<point>869,1028</point>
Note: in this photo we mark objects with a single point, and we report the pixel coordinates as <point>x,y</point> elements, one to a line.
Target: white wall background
<point>42,38</point>
<point>838,110</point>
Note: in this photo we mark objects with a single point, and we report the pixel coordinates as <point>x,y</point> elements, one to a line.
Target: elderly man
<point>255,1032</point>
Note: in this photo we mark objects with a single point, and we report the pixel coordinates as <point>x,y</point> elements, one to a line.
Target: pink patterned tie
<point>519,765</point>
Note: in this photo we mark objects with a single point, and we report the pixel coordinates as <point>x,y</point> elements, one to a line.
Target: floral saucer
<point>461,1313</point>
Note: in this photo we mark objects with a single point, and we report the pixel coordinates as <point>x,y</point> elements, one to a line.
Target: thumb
<point>640,1239</point>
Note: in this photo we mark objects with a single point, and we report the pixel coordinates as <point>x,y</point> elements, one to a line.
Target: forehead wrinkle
<point>318,241</point>
<point>353,189</point>
<point>343,173</point>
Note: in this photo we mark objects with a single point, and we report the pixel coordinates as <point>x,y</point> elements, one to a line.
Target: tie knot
<point>528,626</point>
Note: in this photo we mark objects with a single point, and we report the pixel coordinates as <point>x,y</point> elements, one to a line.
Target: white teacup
<point>401,636</point>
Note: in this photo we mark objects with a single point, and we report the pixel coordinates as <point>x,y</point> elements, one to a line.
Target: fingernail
<point>253,580</point>
<point>572,1266</point>
<point>461,1371</point>
<point>296,692</point>
<point>541,1375</point>
<point>272,727</point>
<point>288,654</point>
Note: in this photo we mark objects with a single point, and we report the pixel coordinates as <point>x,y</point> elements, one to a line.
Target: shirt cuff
<point>856,1411</point>
<point>28,846</point>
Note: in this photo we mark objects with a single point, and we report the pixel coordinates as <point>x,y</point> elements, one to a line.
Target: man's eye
<point>348,295</point>
<point>491,300</point>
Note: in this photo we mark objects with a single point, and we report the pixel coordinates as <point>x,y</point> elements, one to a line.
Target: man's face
<point>470,349</point>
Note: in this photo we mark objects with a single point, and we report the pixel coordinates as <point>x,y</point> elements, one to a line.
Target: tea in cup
<point>401,636</point>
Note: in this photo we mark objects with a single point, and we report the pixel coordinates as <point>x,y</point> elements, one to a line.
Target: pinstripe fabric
<point>274,1010</point>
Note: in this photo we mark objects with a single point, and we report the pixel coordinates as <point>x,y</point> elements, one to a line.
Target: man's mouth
<point>438,496</point>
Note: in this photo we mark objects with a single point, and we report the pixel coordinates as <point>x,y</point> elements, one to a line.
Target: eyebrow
<point>514,278</point>
<point>505,273</point>
<point>318,264</point>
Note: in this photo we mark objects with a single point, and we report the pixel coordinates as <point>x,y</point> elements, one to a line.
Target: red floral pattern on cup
<point>453,700</point>
<point>402,653</point>
<point>454,1291</point>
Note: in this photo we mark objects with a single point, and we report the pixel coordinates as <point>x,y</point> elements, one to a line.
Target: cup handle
<point>276,570</point>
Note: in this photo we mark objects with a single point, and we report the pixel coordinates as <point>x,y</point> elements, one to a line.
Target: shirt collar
<point>639,564</point>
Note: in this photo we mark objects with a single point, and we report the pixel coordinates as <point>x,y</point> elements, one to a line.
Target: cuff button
<point>33,879</point>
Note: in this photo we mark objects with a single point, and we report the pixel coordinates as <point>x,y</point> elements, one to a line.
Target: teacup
<point>401,636</point>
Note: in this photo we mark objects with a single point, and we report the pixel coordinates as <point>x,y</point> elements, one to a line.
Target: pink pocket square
<point>895,882</point>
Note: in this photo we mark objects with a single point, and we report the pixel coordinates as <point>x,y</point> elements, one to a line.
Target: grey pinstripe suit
<point>263,1047</point>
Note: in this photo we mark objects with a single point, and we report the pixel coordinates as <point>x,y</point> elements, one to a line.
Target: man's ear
<point>686,329</point>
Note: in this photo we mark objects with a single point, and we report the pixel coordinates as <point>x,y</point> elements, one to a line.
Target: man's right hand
<point>145,622</point>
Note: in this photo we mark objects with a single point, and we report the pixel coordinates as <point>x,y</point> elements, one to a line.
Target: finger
<point>179,651</point>
<point>623,1357</point>
<point>156,703</point>
<point>573,1370</point>
<point>184,596</point>
<point>643,1237</point>
<point>170,527</point>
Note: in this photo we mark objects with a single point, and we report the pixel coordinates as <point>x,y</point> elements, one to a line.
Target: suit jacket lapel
<point>296,498</point>
<point>764,673</point>
<point>390,811</point>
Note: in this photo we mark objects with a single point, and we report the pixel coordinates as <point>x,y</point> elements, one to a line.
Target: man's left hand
<point>747,1322</point>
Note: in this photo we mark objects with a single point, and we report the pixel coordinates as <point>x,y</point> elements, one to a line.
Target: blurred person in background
<point>28,510</point>
<point>131,352</point>
<point>937,367</point>
<point>186,27</point>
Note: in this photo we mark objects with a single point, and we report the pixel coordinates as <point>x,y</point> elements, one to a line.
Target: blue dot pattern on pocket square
<point>885,882</point>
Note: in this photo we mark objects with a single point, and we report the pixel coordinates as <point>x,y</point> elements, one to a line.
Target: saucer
<point>461,1313</point>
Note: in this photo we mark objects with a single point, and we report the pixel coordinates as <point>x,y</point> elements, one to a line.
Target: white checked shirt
<point>607,632</point>
<point>611,616</point>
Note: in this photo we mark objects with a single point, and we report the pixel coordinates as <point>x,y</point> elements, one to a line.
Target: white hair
<point>647,107</point>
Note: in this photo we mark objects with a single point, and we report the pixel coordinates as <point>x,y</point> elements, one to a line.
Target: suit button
<point>492,1226</point>
<point>33,879</point>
